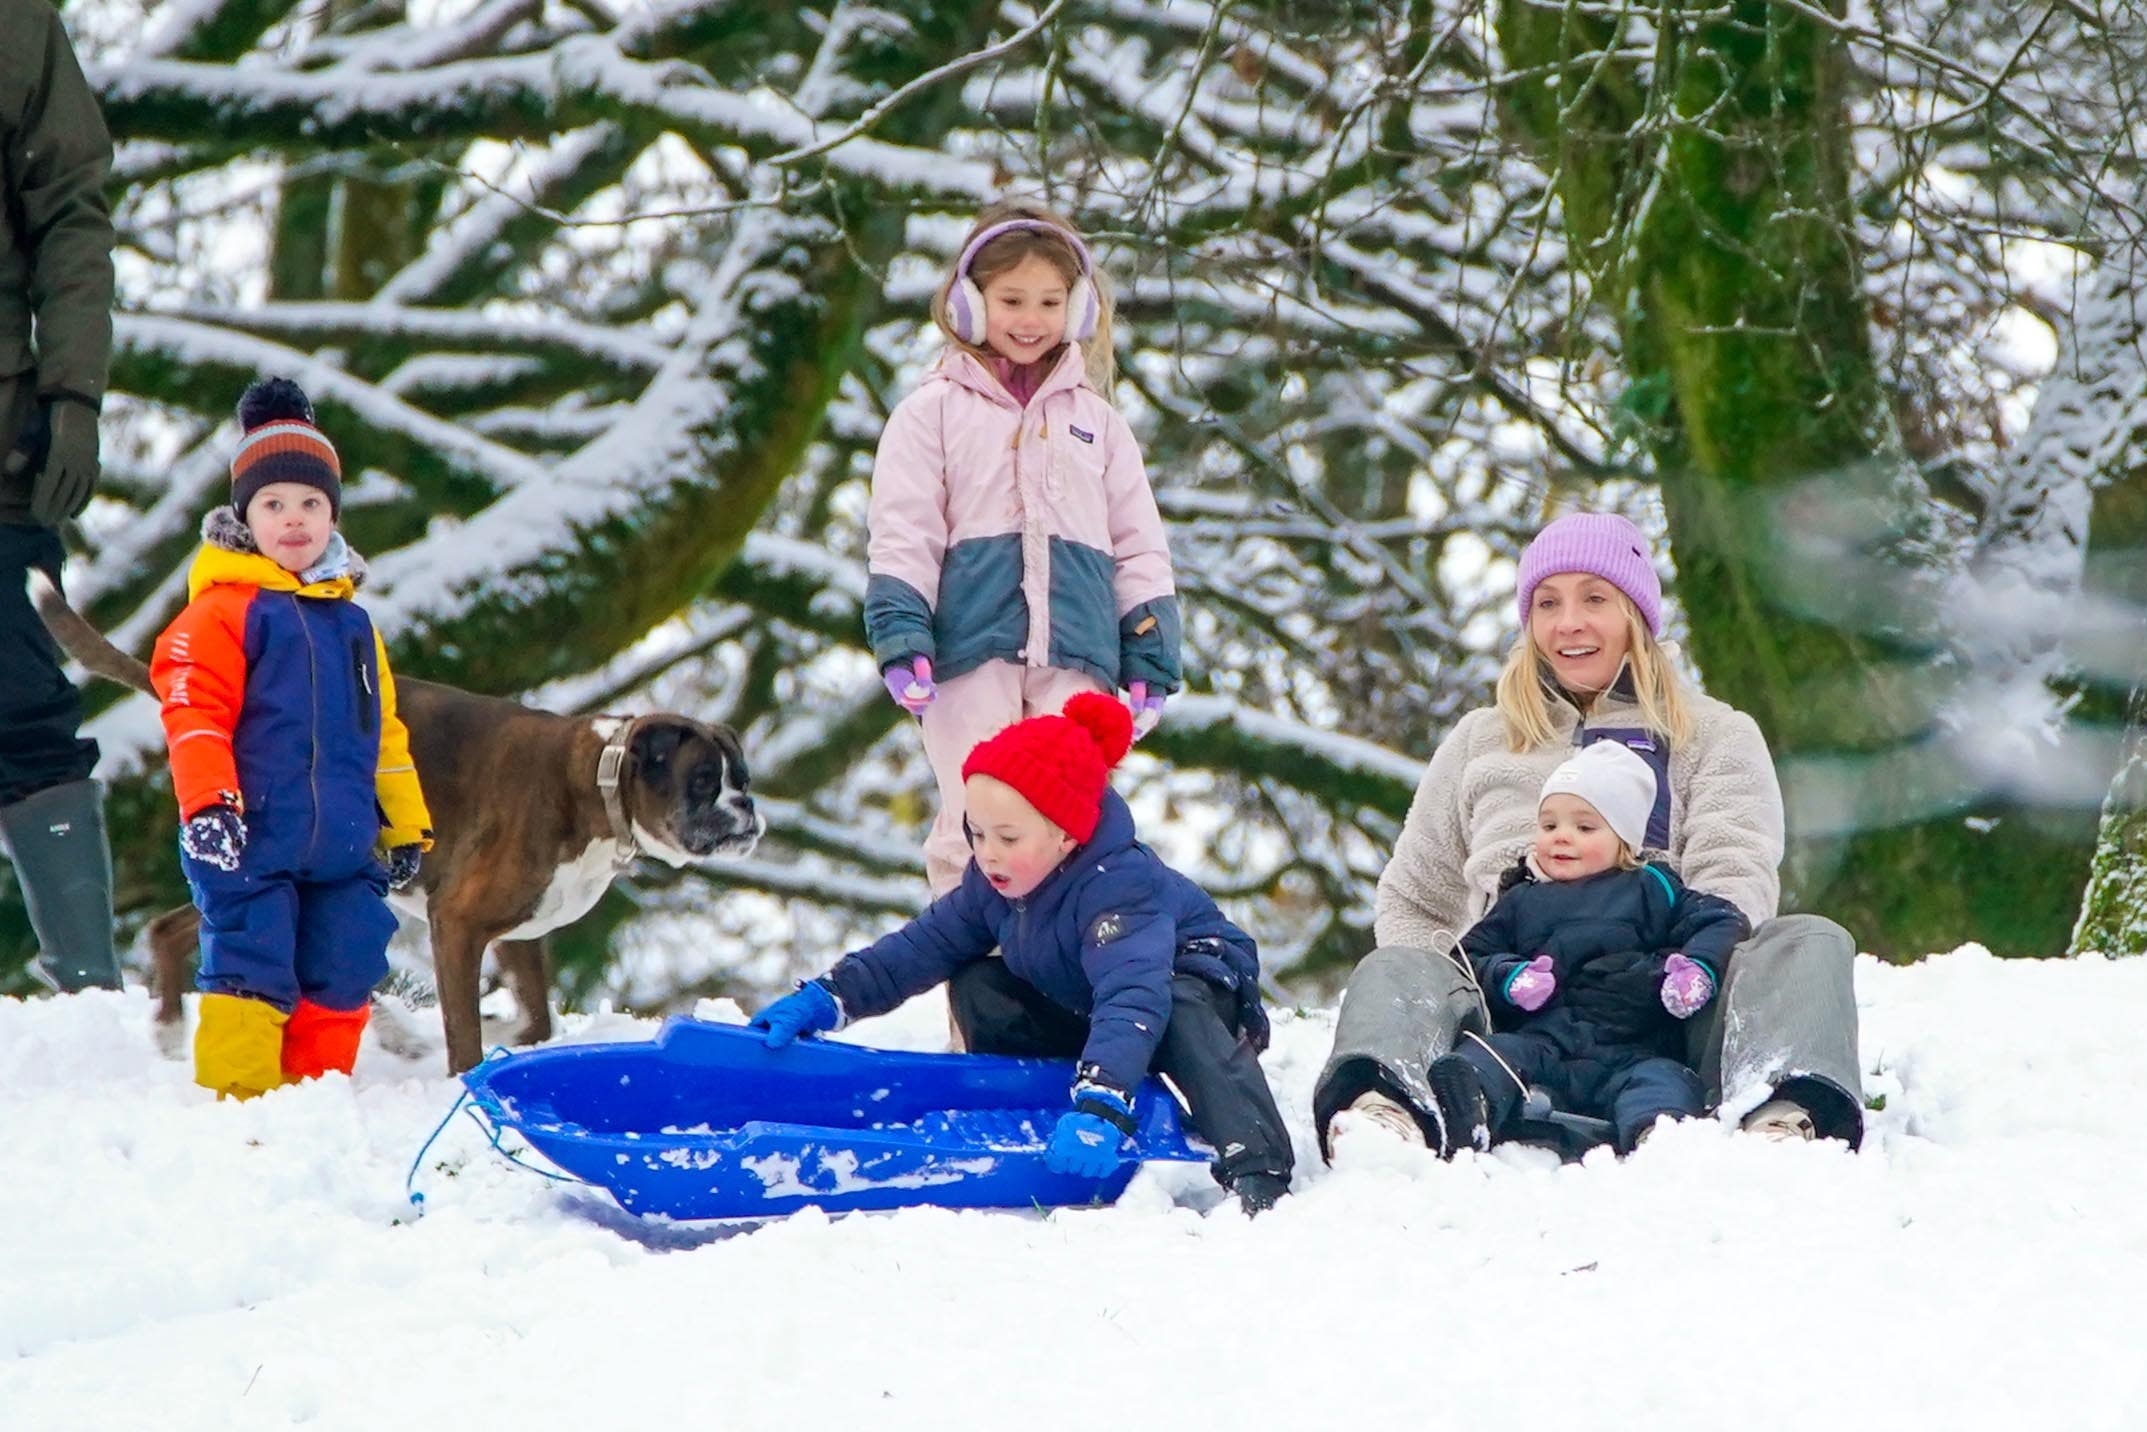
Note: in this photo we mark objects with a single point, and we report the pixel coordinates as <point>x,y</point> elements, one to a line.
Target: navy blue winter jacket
<point>1101,936</point>
<point>1607,936</point>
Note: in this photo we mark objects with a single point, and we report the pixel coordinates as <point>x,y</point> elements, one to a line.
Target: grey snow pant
<point>1786,1019</point>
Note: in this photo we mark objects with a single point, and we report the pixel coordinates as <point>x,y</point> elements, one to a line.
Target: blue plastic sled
<point>705,1121</point>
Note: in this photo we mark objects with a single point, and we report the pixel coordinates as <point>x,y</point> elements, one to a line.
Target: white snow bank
<point>170,1262</point>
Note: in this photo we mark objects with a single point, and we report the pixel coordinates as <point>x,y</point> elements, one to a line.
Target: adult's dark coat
<point>55,230</point>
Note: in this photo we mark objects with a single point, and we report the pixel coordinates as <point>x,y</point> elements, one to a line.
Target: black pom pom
<point>272,400</point>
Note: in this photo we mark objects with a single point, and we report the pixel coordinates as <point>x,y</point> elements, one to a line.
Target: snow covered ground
<point>168,1262</point>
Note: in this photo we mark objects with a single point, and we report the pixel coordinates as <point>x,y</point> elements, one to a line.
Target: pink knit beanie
<point>1601,544</point>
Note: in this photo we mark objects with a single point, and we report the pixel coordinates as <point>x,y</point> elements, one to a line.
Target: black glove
<point>403,862</point>
<point>1252,1016</point>
<point>1620,993</point>
<point>66,431</point>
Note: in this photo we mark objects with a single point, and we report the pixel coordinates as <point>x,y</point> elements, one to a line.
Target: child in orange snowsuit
<point>300,804</point>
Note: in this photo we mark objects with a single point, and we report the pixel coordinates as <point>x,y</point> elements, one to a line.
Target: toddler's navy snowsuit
<point>1604,1045</point>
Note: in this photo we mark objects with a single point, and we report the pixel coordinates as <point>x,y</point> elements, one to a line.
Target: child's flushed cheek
<point>1016,872</point>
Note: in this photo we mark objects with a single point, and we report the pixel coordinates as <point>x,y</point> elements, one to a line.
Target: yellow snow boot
<point>238,1049</point>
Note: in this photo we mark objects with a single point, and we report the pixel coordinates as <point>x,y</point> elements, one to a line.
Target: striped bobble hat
<point>282,444</point>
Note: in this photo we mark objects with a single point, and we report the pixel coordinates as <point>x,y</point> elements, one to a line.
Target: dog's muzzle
<point>733,827</point>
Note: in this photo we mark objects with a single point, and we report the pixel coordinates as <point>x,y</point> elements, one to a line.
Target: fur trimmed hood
<point>223,528</point>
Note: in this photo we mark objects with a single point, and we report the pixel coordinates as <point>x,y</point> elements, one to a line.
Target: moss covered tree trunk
<point>1706,190</point>
<point>2113,916</point>
<point>2113,911</point>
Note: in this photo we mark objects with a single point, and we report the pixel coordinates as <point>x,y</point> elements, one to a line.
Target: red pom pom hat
<point>1060,764</point>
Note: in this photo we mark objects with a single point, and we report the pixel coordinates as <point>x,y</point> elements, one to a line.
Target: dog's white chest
<point>575,887</point>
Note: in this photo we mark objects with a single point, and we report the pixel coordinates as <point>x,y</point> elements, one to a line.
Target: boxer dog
<point>534,815</point>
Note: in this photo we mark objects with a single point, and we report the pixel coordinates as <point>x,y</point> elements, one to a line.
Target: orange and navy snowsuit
<point>277,690</point>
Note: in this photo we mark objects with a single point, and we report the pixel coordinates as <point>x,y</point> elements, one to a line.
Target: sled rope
<point>492,1133</point>
<point>1518,1082</point>
<point>1460,962</point>
<point>410,1191</point>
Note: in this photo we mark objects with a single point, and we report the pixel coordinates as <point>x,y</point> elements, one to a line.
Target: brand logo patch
<point>1087,437</point>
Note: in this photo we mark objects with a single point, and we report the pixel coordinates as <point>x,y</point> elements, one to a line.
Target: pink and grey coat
<point>1021,533</point>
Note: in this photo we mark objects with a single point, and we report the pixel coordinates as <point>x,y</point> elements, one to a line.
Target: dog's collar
<point>610,764</point>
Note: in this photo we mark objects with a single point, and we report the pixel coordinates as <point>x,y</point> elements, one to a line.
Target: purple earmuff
<point>965,301</point>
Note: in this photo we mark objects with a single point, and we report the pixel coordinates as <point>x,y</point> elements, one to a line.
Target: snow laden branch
<point>605,543</point>
<point>798,582</point>
<point>582,81</point>
<point>1361,341</point>
<point>881,108</point>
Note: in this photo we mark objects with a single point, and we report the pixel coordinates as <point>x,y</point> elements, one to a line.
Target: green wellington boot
<point>56,840</point>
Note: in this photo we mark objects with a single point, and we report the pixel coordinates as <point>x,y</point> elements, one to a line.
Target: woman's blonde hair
<point>1526,687</point>
<point>1008,251</point>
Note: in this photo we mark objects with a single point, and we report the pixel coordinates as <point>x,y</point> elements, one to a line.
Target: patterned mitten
<point>1531,986</point>
<point>214,835</point>
<point>1686,986</point>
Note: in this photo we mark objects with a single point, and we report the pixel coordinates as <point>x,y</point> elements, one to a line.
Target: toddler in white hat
<point>1590,962</point>
<point>1593,813</point>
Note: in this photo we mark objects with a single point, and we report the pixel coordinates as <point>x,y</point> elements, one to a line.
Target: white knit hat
<point>1619,784</point>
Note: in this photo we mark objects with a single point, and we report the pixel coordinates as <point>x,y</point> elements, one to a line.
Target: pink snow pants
<point>969,708</point>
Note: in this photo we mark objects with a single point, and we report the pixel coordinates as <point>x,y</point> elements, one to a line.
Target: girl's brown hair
<point>1008,251</point>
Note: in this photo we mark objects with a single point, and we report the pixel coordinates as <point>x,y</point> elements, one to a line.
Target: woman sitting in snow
<point>1588,667</point>
<point>1110,955</point>
<point>1589,962</point>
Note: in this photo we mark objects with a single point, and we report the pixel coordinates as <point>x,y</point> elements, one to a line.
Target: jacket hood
<point>1113,833</point>
<point>960,366</point>
<point>228,555</point>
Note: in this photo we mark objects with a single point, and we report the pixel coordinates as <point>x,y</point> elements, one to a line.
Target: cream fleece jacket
<point>1474,815</point>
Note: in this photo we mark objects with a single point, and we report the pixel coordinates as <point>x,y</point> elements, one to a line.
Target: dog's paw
<point>412,991</point>
<point>403,1029</point>
<point>171,1038</point>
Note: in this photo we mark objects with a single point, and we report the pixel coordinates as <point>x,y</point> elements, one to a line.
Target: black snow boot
<point>56,841</point>
<point>1464,1114</point>
<point>1258,1192</point>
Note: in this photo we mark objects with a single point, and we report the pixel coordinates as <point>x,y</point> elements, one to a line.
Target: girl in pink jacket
<point>1016,556</point>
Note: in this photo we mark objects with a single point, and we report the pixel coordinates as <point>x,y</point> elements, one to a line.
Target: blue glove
<point>214,835</point>
<point>813,1009</point>
<point>1085,1142</point>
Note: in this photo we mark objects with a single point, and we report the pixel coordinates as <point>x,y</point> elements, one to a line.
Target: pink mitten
<point>1686,986</point>
<point>1147,707</point>
<point>911,685</point>
<point>1532,985</point>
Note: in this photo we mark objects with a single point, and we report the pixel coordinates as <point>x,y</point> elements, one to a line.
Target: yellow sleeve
<point>402,800</point>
